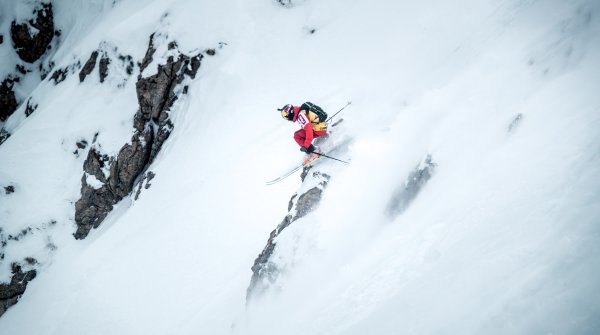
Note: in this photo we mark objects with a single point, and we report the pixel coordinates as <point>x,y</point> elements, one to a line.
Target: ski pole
<point>339,160</point>
<point>331,117</point>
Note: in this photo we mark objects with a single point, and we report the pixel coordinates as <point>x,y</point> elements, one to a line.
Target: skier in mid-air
<point>313,123</point>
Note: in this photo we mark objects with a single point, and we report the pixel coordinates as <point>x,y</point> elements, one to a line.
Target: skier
<point>312,121</point>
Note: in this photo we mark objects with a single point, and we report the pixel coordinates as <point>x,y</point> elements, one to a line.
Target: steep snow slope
<point>503,238</point>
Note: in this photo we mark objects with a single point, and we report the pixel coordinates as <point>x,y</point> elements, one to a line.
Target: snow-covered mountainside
<point>136,138</point>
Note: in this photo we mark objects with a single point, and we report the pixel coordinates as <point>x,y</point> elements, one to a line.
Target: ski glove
<point>308,150</point>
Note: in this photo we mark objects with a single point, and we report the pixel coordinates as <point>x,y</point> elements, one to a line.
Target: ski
<point>291,172</point>
<point>285,175</point>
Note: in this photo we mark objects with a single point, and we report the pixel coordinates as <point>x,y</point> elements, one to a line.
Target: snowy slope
<point>503,238</point>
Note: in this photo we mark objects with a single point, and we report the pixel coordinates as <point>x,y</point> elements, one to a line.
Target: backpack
<point>318,111</point>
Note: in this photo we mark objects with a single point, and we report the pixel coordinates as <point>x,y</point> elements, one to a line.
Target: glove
<point>309,150</point>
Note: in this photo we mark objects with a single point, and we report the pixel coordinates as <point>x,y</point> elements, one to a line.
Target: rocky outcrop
<point>88,67</point>
<point>108,180</point>
<point>265,272</point>
<point>109,59</point>
<point>9,189</point>
<point>30,108</point>
<point>11,292</point>
<point>4,135</point>
<point>103,67</point>
<point>406,193</point>
<point>8,101</point>
<point>31,46</point>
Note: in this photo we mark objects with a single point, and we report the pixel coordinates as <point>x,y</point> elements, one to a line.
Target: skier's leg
<point>300,137</point>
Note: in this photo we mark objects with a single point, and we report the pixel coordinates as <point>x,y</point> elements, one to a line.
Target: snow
<point>503,239</point>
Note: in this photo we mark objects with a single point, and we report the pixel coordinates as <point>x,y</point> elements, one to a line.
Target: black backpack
<point>309,106</point>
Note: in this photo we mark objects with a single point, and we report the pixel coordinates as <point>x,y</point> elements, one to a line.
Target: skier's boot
<point>310,158</point>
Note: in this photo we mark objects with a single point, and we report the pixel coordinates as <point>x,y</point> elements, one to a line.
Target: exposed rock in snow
<point>415,182</point>
<point>8,101</point>
<point>111,61</point>
<point>11,292</point>
<point>145,182</point>
<point>264,271</point>
<point>9,189</point>
<point>156,95</point>
<point>88,67</point>
<point>4,135</point>
<point>30,47</point>
<point>31,107</point>
<point>103,67</point>
<point>515,123</point>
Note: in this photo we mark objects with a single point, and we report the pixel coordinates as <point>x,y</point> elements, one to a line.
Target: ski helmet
<point>287,112</point>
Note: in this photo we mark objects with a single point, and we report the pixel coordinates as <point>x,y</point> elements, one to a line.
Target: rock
<point>515,123</point>
<point>30,108</point>
<point>95,163</point>
<point>266,272</point>
<point>21,69</point>
<point>31,47</point>
<point>45,69</point>
<point>8,101</point>
<point>88,67</point>
<point>11,292</point>
<point>59,75</point>
<point>156,94</point>
<point>103,67</point>
<point>9,189</point>
<point>146,178</point>
<point>4,135</point>
<point>130,163</point>
<point>408,191</point>
<point>148,57</point>
<point>93,206</point>
<point>81,144</point>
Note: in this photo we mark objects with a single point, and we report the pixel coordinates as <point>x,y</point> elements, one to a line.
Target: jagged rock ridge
<point>156,94</point>
<point>11,292</point>
<point>264,271</point>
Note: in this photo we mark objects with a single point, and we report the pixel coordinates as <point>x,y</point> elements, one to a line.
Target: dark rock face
<point>146,178</point>
<point>103,67</point>
<point>4,135</point>
<point>9,189</point>
<point>88,67</point>
<point>8,101</point>
<point>11,292</point>
<point>148,57</point>
<point>415,182</point>
<point>264,271</point>
<point>96,203</point>
<point>31,107</point>
<point>31,47</point>
<point>156,94</point>
<point>59,75</point>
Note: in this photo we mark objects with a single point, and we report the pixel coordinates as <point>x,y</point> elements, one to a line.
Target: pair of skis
<point>291,172</point>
